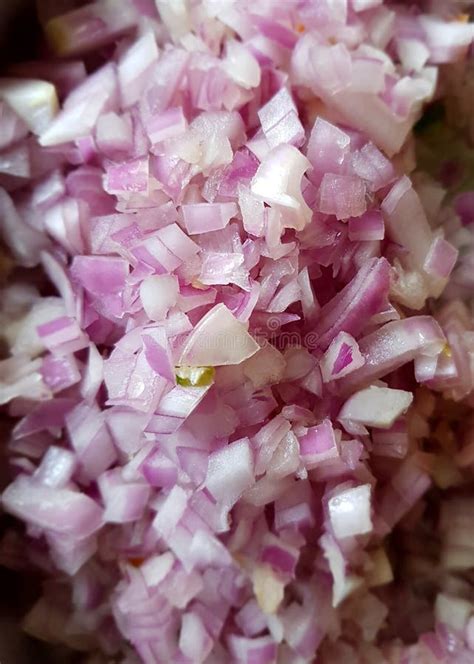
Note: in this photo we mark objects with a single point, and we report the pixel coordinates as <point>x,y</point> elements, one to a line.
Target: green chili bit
<point>194,376</point>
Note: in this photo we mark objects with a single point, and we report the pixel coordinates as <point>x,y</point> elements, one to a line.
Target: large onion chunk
<point>35,102</point>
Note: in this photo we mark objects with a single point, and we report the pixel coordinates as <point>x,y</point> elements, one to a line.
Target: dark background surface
<point>19,30</point>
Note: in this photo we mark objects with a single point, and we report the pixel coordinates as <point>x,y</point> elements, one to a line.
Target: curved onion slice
<point>393,345</point>
<point>218,339</point>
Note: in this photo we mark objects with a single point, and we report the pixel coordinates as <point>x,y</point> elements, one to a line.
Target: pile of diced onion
<point>238,334</point>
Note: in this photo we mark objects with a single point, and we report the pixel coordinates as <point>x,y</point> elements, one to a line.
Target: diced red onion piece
<point>129,176</point>
<point>62,336</point>
<point>175,407</point>
<point>371,165</point>
<point>56,468</point>
<point>300,631</point>
<point>268,489</point>
<point>330,67</point>
<point>159,470</point>
<point>342,195</point>
<point>318,444</point>
<point>93,375</point>
<point>286,459</point>
<point>395,344</point>
<point>464,206</point>
<point>341,358</point>
<point>134,67</point>
<point>369,226</point>
<point>114,134</point>
<point>262,650</point>
<point>170,512</point>
<point>328,148</point>
<point>124,501</point>
<point>351,307</point>
<point>91,440</point>
<point>279,120</point>
<point>60,373</point>
<point>230,472</point>
<point>100,275</point>
<point>406,223</point>
<point>267,440</point>
<point>168,124</point>
<point>49,190</point>
<point>66,222</point>
<point>15,162</point>
<point>58,510</point>
<point>206,217</point>
<point>440,259</point>
<point>250,619</point>
<point>194,640</point>
<point>368,75</point>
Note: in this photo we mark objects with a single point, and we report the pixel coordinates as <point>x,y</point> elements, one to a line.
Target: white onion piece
<point>194,640</point>
<point>278,182</point>
<point>363,5</point>
<point>230,472</point>
<point>35,102</point>
<point>170,512</point>
<point>448,41</point>
<point>113,134</point>
<point>175,15</point>
<point>266,367</point>
<point>413,53</point>
<point>241,65</point>
<point>343,584</point>
<point>82,108</point>
<point>375,407</point>
<point>158,294</point>
<point>134,66</point>
<point>452,611</point>
<point>350,512</point>
<point>156,568</point>
<point>24,334</point>
<point>286,459</point>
